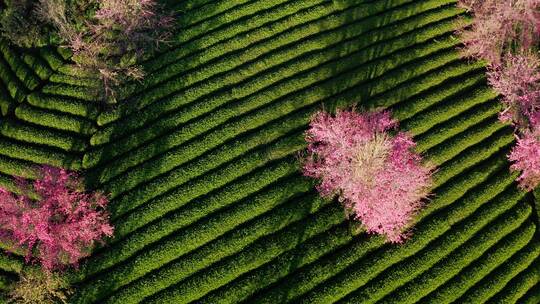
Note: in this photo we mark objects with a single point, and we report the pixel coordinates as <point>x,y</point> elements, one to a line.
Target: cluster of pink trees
<point>507,35</point>
<point>59,227</point>
<point>377,176</point>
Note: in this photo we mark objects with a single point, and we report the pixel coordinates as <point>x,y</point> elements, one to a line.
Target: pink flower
<point>518,81</point>
<point>61,226</point>
<point>526,158</point>
<point>497,25</point>
<point>377,177</point>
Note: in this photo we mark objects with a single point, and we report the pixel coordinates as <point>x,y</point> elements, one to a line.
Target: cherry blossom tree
<point>518,81</point>
<point>526,158</point>
<point>61,226</point>
<point>507,35</point>
<point>498,25</point>
<point>377,176</point>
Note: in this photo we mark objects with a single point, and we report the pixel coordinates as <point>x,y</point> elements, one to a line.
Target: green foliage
<point>27,133</point>
<point>7,104</point>
<point>19,24</point>
<point>16,167</point>
<point>16,89</point>
<point>55,120</point>
<point>17,65</point>
<point>497,280</point>
<point>532,296</point>
<point>453,288</point>
<point>242,190</point>
<point>458,124</point>
<point>287,26</point>
<point>38,155</point>
<point>73,91</point>
<point>53,59</point>
<point>38,65</point>
<point>11,263</point>
<point>257,254</point>
<point>307,284</point>
<point>294,102</point>
<point>201,160</point>
<point>311,251</point>
<point>362,272</point>
<point>76,80</point>
<point>190,189</point>
<point>237,239</point>
<point>62,104</point>
<point>477,250</point>
<point>461,141</point>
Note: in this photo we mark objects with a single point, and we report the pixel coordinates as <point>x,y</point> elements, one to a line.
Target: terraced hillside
<point>201,161</point>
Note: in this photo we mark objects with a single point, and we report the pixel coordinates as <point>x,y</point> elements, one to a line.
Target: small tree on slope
<point>377,176</point>
<point>61,226</point>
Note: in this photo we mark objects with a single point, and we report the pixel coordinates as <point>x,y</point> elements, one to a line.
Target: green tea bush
<point>17,65</point>
<point>426,119</point>
<point>474,272</point>
<point>38,65</point>
<point>65,105</point>
<point>16,89</point>
<point>53,59</point>
<point>267,178</point>
<point>361,273</point>
<point>442,131</point>
<point>7,104</point>
<point>532,296</point>
<point>499,278</point>
<point>55,120</point>
<point>255,255</point>
<point>38,155</point>
<point>450,266</point>
<point>192,189</point>
<point>456,144</point>
<point>168,251</point>
<point>31,134</point>
<point>305,253</point>
<point>304,97</point>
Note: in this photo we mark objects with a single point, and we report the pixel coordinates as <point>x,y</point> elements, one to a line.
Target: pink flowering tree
<point>507,35</point>
<point>61,226</point>
<point>498,25</point>
<point>377,176</point>
<point>517,79</point>
<point>526,158</point>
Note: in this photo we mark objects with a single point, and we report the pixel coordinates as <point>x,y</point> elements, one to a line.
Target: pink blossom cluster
<point>377,176</point>
<point>497,25</point>
<point>526,158</point>
<point>61,226</point>
<point>507,35</point>
<point>518,81</point>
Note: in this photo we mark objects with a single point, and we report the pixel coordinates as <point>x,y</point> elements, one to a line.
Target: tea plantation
<point>201,159</point>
